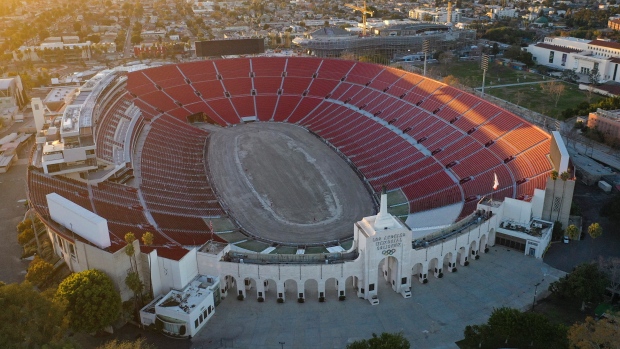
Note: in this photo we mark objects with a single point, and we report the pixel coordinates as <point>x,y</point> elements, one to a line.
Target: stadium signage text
<point>388,242</point>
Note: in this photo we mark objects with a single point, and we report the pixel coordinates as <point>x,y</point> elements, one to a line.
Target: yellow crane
<point>364,10</point>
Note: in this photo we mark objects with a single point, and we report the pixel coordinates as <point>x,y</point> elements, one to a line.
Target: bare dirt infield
<point>283,184</point>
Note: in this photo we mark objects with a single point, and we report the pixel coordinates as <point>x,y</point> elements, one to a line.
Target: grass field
<point>314,250</point>
<point>220,224</point>
<point>529,96</point>
<point>284,250</point>
<point>232,237</point>
<point>532,97</point>
<point>395,201</point>
<point>470,74</point>
<point>253,245</point>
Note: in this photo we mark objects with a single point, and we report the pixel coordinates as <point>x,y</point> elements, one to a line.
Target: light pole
<point>535,290</point>
<point>425,49</point>
<point>281,344</point>
<point>484,64</point>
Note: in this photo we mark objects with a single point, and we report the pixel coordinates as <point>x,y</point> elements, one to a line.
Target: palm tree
<point>595,230</point>
<point>573,232</point>
<point>133,277</point>
<point>147,240</point>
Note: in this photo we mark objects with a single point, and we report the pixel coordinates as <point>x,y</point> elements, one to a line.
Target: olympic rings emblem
<point>388,252</point>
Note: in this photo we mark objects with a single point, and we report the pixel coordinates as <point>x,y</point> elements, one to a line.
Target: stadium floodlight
<point>425,49</point>
<point>484,64</point>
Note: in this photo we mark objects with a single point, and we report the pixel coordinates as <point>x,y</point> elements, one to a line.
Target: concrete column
<point>280,291</point>
<point>438,270</point>
<point>342,287</point>
<point>321,288</point>
<point>260,288</point>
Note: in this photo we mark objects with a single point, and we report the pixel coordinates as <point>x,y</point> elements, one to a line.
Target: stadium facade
<point>130,154</point>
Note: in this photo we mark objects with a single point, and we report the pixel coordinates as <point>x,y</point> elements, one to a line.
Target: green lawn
<point>532,97</point>
<point>232,237</point>
<point>315,250</point>
<point>396,197</point>
<point>399,210</point>
<point>220,224</point>
<point>284,250</point>
<point>347,245</point>
<point>253,245</point>
<point>470,74</point>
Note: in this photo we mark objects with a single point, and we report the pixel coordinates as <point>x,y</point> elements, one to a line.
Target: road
<point>12,210</point>
<point>128,46</point>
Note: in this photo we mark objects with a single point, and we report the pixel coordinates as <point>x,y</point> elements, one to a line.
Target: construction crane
<point>365,11</point>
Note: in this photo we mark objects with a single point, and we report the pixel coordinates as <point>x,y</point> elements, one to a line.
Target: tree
<point>594,76</point>
<point>92,301</point>
<point>554,89</point>
<point>594,334</point>
<point>554,175</point>
<point>611,268</point>
<point>509,327</point>
<point>451,80</point>
<point>557,232</point>
<point>147,238</point>
<point>519,97</point>
<point>586,283</point>
<point>385,341</point>
<point>573,232</point>
<point>595,230</point>
<point>29,319</point>
<point>570,75</point>
<point>39,271</point>
<point>116,344</point>
<point>495,49</point>
<point>25,236</point>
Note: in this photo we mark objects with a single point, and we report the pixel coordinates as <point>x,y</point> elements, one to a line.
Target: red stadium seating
<point>398,129</point>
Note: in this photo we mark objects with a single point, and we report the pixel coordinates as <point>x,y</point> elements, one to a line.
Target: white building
<point>501,12</point>
<point>184,312</point>
<point>580,55</point>
<point>11,97</point>
<point>437,16</point>
<point>54,51</point>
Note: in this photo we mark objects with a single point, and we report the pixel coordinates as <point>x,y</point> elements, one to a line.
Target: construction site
<point>388,41</point>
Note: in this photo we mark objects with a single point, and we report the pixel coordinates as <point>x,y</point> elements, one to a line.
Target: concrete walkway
<point>434,317</point>
<point>516,84</point>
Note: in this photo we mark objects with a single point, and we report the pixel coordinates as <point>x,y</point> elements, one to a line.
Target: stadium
<point>257,169</point>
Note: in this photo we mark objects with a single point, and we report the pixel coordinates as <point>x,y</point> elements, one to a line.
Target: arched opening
<point>311,289</point>
<point>483,244</point>
<point>331,288</point>
<point>419,273</point>
<point>448,265</point>
<point>249,284</point>
<point>290,290</point>
<point>491,240</point>
<point>351,287</point>
<point>473,250</point>
<point>388,269</point>
<point>462,257</point>
<point>229,287</point>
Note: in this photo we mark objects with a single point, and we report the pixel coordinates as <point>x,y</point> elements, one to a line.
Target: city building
<point>580,55</point>
<point>606,121</point>
<point>12,98</point>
